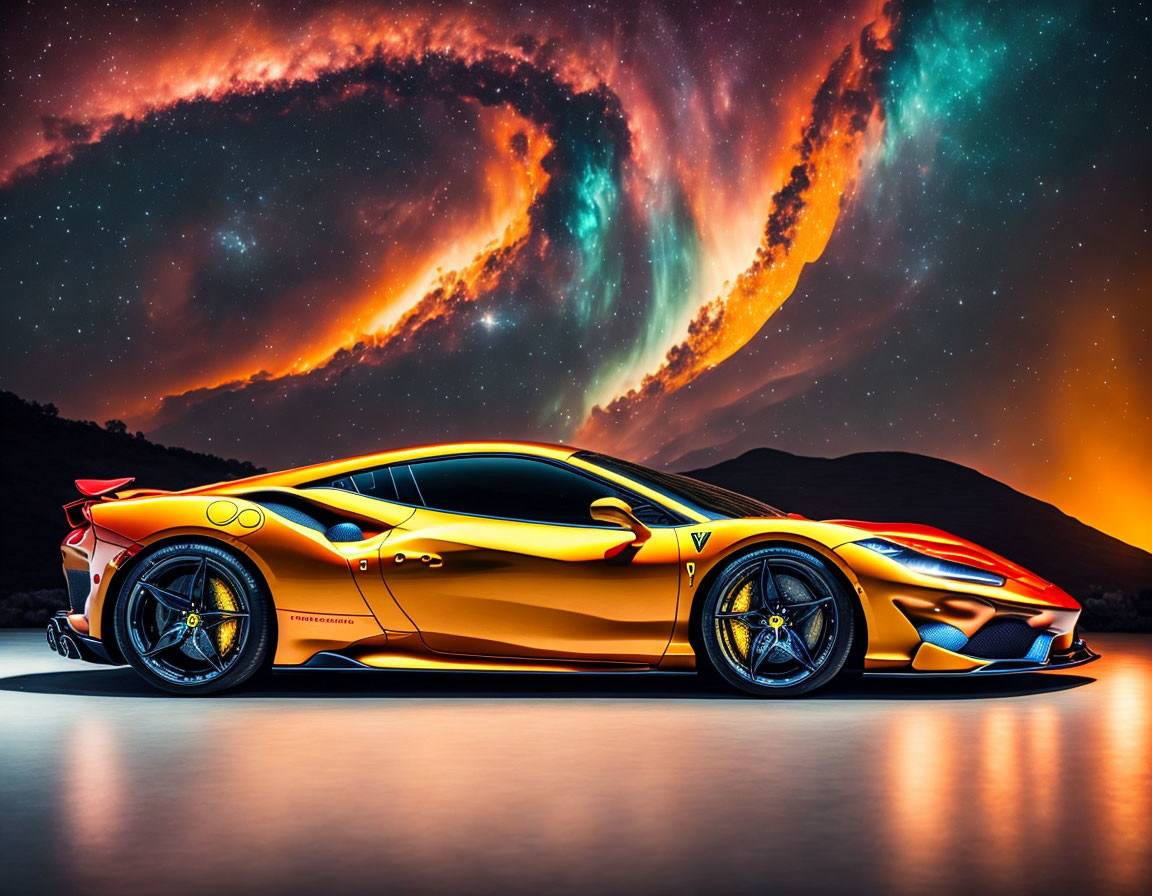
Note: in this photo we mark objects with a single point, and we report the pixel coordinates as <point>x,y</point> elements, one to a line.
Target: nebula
<point>563,177</point>
<point>802,215</point>
<point>286,232</point>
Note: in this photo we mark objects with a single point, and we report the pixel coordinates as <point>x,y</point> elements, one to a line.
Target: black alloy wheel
<point>192,619</point>
<point>777,622</point>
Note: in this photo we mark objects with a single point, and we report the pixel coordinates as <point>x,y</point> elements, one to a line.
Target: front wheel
<point>777,622</point>
<point>192,619</point>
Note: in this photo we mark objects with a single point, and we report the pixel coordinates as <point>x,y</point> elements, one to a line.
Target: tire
<point>191,619</point>
<point>777,622</point>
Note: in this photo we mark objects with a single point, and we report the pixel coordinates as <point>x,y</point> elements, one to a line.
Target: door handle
<point>426,559</point>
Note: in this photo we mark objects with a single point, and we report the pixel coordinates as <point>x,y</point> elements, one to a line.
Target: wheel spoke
<point>170,637</point>
<point>761,646</point>
<point>219,617</point>
<point>809,603</point>
<point>769,593</point>
<point>807,608</point>
<point>199,582</point>
<point>753,649</point>
<point>794,645</point>
<point>742,616</point>
<point>170,599</point>
<point>204,646</point>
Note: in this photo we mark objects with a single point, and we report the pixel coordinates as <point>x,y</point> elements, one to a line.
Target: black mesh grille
<point>77,588</point>
<point>1002,639</point>
<point>295,514</point>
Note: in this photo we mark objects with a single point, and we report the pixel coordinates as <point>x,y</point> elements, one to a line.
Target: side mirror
<point>613,510</point>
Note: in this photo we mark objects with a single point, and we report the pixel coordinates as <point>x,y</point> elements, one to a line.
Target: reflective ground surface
<point>452,783</point>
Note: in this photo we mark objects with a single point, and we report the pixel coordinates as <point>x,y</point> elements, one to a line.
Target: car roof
<point>299,475</point>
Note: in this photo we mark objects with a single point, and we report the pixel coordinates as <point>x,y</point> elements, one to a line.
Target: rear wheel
<point>777,622</point>
<point>192,619</point>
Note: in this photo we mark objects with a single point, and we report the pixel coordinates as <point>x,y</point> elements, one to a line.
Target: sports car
<point>515,556</point>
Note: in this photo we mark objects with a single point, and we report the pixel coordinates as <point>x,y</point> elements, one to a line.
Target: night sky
<point>672,232</point>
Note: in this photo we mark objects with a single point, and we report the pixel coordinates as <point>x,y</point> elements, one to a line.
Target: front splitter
<point>1079,654</point>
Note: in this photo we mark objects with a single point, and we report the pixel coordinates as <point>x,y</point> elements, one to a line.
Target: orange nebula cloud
<point>418,280</point>
<point>217,53</point>
<point>803,213</point>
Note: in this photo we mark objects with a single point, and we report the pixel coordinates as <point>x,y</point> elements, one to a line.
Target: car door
<point>504,559</point>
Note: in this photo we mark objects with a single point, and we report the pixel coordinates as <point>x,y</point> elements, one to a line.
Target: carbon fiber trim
<point>78,588</point>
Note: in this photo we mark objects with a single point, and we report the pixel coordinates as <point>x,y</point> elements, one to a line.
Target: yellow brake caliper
<point>224,599</point>
<point>740,603</point>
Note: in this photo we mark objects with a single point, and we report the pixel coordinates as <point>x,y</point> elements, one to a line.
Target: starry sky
<point>669,231</point>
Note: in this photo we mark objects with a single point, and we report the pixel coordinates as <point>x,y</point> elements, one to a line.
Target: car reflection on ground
<point>518,784</point>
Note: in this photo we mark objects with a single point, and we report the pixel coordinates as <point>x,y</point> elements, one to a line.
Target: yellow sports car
<point>527,557</point>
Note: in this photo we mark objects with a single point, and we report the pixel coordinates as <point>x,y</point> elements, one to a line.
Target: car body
<point>490,556</point>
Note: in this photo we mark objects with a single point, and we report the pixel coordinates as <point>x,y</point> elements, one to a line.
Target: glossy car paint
<point>430,589</point>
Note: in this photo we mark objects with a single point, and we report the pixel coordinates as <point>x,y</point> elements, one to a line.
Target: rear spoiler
<point>95,490</point>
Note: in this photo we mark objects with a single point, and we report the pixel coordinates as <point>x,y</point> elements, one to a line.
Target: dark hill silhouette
<point>898,487</point>
<point>42,454</point>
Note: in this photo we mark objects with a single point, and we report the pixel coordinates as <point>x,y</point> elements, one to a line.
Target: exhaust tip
<point>68,648</point>
<point>51,636</point>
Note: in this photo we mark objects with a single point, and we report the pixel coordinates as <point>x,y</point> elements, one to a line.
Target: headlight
<point>929,565</point>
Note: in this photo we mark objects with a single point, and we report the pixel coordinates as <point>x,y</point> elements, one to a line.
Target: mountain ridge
<point>897,486</point>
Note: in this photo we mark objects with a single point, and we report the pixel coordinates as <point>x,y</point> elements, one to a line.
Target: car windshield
<point>710,500</point>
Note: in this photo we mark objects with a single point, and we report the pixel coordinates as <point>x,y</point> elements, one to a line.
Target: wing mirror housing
<point>613,510</point>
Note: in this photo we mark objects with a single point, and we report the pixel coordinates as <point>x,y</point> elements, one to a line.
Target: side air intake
<point>335,528</point>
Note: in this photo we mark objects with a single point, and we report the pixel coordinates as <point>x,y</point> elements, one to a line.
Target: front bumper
<point>66,640</point>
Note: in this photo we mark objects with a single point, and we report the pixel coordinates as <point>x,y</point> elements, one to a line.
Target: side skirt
<point>327,661</point>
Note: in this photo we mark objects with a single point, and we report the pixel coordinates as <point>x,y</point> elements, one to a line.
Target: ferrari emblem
<point>691,568</point>
<point>191,620</point>
<point>775,621</point>
<point>700,539</point>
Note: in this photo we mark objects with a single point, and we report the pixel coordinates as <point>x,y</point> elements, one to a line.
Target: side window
<point>392,483</point>
<point>510,487</point>
<point>406,489</point>
<point>517,488</point>
<point>373,483</point>
<point>649,513</point>
<point>376,483</point>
